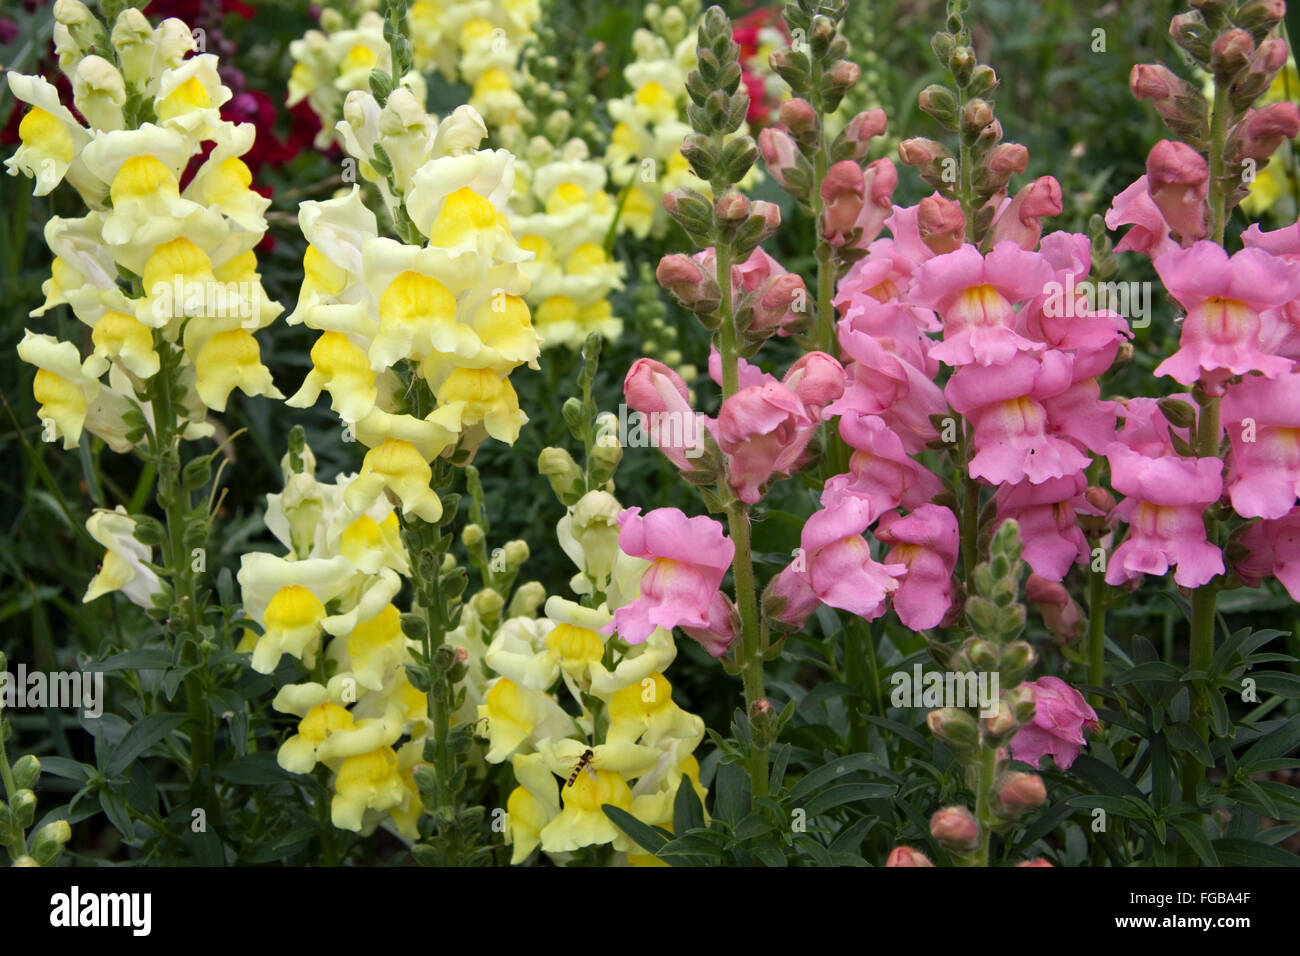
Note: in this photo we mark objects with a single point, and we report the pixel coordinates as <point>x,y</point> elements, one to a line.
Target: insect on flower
<point>584,762</point>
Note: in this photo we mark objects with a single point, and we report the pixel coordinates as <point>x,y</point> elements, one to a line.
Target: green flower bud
<point>26,770</point>
<point>23,808</point>
<point>48,842</point>
<point>472,536</point>
<point>528,597</point>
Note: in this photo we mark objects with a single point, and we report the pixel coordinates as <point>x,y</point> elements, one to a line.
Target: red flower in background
<point>747,32</point>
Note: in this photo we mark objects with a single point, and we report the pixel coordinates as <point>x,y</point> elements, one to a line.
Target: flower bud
<point>1061,613</point>
<point>1001,723</point>
<point>515,553</point>
<point>859,132</point>
<point>962,63</point>
<point>1021,221</point>
<point>528,597</point>
<point>23,807</point>
<point>1016,659</point>
<point>918,151</point>
<point>1178,181</point>
<point>732,207</point>
<point>1037,861</point>
<point>976,115</point>
<point>956,829</point>
<point>48,841</point>
<point>1018,791</point>
<point>1230,53</point>
<point>487,604</point>
<point>939,102</point>
<point>1190,32</point>
<point>800,118</point>
<point>562,471</point>
<point>906,856</point>
<point>1263,131</point>
<point>1260,15</point>
<point>954,727</point>
<point>941,224</point>
<point>773,302</point>
<point>689,284</point>
<point>471,536</point>
<point>26,770</point>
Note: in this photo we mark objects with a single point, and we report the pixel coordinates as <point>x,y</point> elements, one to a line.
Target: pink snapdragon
<point>1020,220</point>
<point>1166,498</point>
<point>926,542</point>
<point>1060,717</point>
<point>1228,303</point>
<point>763,430</point>
<point>977,295</point>
<point>1135,207</point>
<point>880,470</point>
<point>688,558</point>
<point>1006,405</point>
<point>837,562</point>
<point>1049,526</point>
<point>658,393</point>
<point>857,200</point>
<point>1262,418</point>
<point>1178,179</point>
<point>1272,547</point>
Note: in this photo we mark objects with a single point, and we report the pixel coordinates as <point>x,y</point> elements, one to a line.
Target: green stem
<point>1096,632</point>
<point>750,638</point>
<point>19,847</point>
<point>1204,599</point>
<point>1218,135</point>
<point>984,800</point>
<point>177,511</point>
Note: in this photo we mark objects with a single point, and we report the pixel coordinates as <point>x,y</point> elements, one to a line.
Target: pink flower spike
<point>926,542</point>
<point>1166,500</point>
<point>1262,418</point>
<point>1060,717</point>
<point>688,558</point>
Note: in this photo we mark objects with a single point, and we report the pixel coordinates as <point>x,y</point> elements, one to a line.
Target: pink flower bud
<point>919,151</point>
<point>844,74</point>
<point>799,116</point>
<point>857,199</point>
<point>1037,861</point>
<point>772,306</point>
<point>779,152</point>
<point>906,856</point>
<point>1008,158</point>
<point>1178,180</point>
<point>955,828</point>
<point>1153,81</point>
<point>862,129</point>
<point>1020,791</point>
<point>770,213</point>
<point>1262,131</point>
<point>1021,220</point>
<point>694,288</point>
<point>1061,613</point>
<point>817,378</point>
<point>941,224</point>
<point>732,207</point>
<point>1230,52</point>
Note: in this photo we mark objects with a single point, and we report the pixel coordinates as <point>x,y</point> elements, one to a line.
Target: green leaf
<point>1278,682</point>
<point>687,811</point>
<point>1152,671</point>
<point>257,769</point>
<point>140,738</point>
<point>140,659</point>
<point>731,793</point>
<point>1102,777</point>
<point>1183,737</point>
<point>651,839</point>
<point>825,774</point>
<point>1276,743</point>
<point>67,769</point>
<point>847,793</point>
<point>1250,853</point>
<point>1190,830</point>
